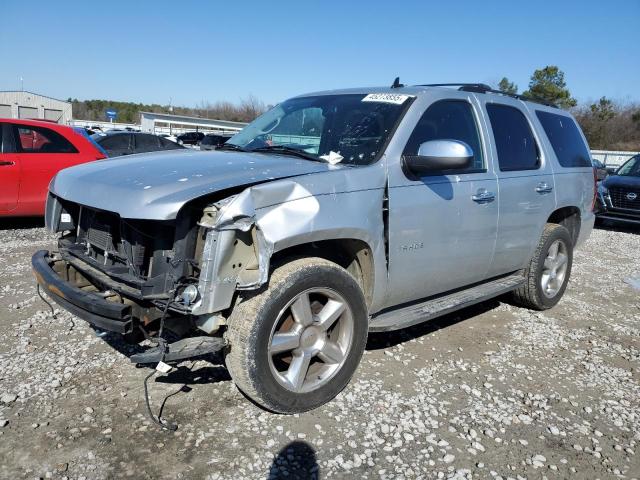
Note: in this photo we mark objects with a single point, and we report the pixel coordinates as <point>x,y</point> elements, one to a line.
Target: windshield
<point>631,168</point>
<point>349,128</point>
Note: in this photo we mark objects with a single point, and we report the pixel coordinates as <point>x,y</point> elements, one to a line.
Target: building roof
<point>33,93</point>
<point>170,116</point>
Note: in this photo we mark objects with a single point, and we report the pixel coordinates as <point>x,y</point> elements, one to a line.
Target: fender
<point>247,229</point>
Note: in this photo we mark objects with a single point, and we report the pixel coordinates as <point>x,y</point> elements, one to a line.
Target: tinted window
<point>517,149</point>
<point>565,139</point>
<point>115,142</point>
<point>168,144</point>
<point>146,143</point>
<point>448,120</point>
<point>41,140</point>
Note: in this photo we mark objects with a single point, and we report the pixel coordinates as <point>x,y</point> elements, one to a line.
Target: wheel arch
<point>353,254</point>
<point>570,218</point>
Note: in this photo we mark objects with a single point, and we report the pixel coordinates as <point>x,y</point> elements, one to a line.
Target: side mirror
<point>440,155</point>
<point>611,170</point>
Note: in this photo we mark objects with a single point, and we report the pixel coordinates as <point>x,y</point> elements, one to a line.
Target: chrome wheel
<point>554,269</point>
<point>310,340</point>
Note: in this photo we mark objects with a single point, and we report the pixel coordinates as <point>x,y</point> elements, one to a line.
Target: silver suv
<point>332,215</point>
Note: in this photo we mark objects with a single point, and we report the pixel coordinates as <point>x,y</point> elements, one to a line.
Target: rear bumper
<point>91,307</point>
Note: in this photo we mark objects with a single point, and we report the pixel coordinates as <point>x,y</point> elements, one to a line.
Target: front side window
<point>631,168</point>
<point>516,147</point>
<point>448,120</point>
<point>41,140</point>
<point>565,139</point>
<point>350,128</point>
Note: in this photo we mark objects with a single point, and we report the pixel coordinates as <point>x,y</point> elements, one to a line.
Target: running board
<point>435,307</point>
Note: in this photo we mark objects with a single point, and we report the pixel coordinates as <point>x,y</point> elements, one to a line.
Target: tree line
<point>607,124</point>
<point>129,112</point>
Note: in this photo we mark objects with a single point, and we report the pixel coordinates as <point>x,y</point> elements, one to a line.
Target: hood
<point>624,181</point>
<point>155,186</point>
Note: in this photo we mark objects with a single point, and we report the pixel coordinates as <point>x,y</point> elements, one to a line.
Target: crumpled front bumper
<point>106,315</point>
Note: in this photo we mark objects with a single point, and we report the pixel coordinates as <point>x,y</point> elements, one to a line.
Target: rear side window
<point>146,143</point>
<point>41,140</point>
<point>565,139</point>
<point>168,144</point>
<point>448,120</point>
<point>517,148</point>
<point>115,142</point>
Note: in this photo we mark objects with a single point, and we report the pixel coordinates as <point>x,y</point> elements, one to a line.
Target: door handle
<point>544,187</point>
<point>6,164</point>
<point>483,196</point>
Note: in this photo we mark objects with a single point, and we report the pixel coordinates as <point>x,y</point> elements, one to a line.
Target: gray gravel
<point>507,393</point>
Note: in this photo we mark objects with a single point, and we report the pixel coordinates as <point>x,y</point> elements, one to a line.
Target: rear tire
<point>295,344</point>
<point>548,272</point>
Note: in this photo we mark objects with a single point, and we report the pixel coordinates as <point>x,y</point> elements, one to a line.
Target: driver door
<point>442,232</point>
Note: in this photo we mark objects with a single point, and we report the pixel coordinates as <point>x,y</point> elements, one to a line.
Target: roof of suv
<point>418,90</point>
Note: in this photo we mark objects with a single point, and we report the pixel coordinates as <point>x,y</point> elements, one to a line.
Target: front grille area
<point>620,198</point>
<point>113,241</point>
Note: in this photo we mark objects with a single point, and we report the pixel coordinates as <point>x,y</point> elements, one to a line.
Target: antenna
<point>397,84</point>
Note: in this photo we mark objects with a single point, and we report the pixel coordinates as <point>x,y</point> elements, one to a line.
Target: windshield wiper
<point>287,150</point>
<point>231,146</point>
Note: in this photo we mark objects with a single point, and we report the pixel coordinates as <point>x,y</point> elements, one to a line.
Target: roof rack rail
<point>483,88</point>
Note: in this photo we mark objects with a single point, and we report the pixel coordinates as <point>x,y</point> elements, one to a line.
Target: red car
<point>31,153</point>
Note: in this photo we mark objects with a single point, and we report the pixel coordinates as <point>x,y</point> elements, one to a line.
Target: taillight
<point>595,189</point>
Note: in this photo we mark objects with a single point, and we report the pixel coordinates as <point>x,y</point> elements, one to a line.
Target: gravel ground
<point>506,393</point>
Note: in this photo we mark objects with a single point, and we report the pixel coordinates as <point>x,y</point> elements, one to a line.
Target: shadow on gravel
<point>381,340</point>
<point>297,460</point>
<point>21,223</point>
<point>187,376</point>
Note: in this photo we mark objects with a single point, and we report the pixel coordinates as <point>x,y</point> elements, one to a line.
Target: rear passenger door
<point>526,183</point>
<point>442,226</point>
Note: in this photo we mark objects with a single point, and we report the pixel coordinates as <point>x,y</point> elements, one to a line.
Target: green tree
<point>507,87</point>
<point>603,110</point>
<point>548,84</point>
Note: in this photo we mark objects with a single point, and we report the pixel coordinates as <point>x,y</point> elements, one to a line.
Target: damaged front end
<point>121,275</point>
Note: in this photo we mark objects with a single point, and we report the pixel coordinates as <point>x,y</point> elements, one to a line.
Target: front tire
<point>295,344</point>
<point>548,272</point>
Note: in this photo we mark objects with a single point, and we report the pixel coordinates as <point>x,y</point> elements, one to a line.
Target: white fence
<point>612,158</point>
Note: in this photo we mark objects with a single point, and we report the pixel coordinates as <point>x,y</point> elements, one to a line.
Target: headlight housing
<point>602,190</point>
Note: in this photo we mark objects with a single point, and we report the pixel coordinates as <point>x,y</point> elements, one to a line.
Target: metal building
<point>20,104</point>
<point>176,124</point>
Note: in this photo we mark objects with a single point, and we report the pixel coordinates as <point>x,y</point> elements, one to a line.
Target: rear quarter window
<point>565,138</point>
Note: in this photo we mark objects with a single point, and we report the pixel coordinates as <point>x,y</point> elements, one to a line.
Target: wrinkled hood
<point>155,186</point>
<point>624,181</point>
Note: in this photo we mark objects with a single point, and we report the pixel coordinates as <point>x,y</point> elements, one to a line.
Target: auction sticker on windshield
<point>395,98</point>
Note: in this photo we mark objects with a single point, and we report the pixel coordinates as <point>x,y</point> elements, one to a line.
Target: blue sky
<point>191,52</point>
